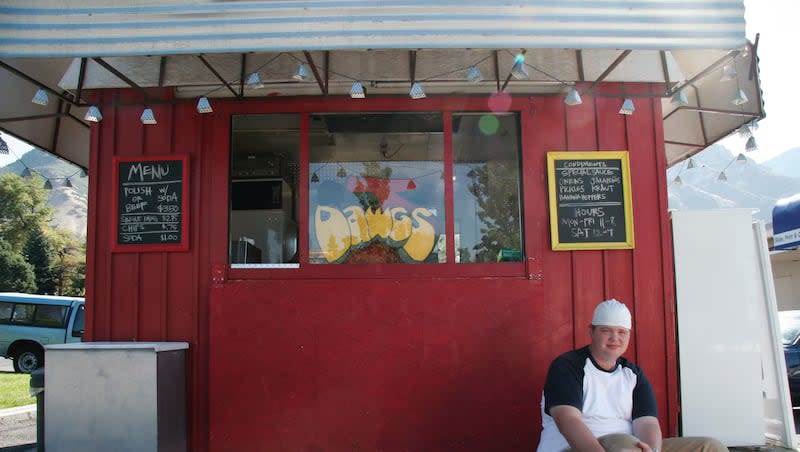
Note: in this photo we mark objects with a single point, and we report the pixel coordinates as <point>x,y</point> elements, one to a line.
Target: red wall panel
<point>415,360</point>
<point>398,365</point>
<point>587,266</point>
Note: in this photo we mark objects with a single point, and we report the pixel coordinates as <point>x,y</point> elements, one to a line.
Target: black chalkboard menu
<point>151,203</point>
<point>590,200</point>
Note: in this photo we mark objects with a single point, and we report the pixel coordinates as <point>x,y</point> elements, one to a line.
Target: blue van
<point>29,322</point>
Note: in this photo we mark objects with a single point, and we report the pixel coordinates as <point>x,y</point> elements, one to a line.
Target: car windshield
<point>790,326</point>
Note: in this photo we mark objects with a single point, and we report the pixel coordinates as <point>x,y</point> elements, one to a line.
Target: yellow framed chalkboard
<point>590,200</point>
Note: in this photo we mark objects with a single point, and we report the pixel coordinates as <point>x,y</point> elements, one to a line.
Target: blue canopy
<point>786,223</point>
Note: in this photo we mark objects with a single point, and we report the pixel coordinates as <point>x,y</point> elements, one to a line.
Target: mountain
<point>787,163</point>
<point>749,184</point>
<point>70,203</point>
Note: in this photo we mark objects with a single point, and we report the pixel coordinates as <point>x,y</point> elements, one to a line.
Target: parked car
<point>29,322</point>
<point>790,336</point>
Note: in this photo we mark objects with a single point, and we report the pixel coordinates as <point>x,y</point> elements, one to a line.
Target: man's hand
<point>644,446</point>
<point>569,421</point>
<point>648,430</point>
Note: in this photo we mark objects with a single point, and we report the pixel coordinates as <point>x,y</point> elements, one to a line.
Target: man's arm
<point>570,423</point>
<point>648,430</point>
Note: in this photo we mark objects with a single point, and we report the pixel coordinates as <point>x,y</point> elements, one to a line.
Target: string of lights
<point>28,171</point>
<point>357,91</point>
<point>745,131</point>
<point>518,71</point>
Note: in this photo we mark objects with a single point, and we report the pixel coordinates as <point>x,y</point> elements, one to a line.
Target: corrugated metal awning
<point>205,47</point>
<point>53,28</point>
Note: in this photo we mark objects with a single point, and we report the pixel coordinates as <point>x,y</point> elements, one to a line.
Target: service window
<point>263,205</point>
<point>376,189</point>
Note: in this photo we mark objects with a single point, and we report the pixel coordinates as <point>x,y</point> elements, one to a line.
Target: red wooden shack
<point>433,337</point>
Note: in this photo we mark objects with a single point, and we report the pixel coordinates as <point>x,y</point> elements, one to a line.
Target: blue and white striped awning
<point>57,28</point>
<point>786,223</point>
<point>204,47</point>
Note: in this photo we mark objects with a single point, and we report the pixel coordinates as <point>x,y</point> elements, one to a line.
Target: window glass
<point>51,316</point>
<point>376,193</point>
<point>5,311</point>
<point>486,188</point>
<point>23,313</point>
<point>77,325</point>
<point>263,213</point>
<point>790,326</point>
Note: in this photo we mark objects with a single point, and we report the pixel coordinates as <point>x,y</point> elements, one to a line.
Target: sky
<point>16,149</point>
<point>775,20</point>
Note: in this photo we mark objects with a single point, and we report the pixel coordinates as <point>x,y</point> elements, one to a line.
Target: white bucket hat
<point>612,313</point>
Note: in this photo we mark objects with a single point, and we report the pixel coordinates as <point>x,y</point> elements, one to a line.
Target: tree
<point>69,263</point>
<point>77,283</point>
<point>498,202</point>
<point>23,208</point>
<point>16,275</point>
<point>57,257</point>
<point>37,252</point>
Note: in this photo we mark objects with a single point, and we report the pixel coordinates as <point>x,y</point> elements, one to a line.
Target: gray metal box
<point>121,396</point>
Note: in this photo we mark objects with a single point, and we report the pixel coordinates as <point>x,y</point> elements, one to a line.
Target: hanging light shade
<point>302,74</point>
<point>741,158</point>
<point>751,145</point>
<point>93,114</point>
<point>690,165</point>
<point>679,99</point>
<point>627,107</point>
<point>722,177</point>
<point>740,99</point>
<point>314,177</point>
<point>474,75</point>
<point>204,106</point>
<point>573,97</point>
<point>728,73</point>
<point>745,50</point>
<point>341,173</point>
<point>67,182</point>
<point>26,172</point>
<point>678,180</point>
<point>3,146</point>
<point>254,81</point>
<point>48,185</point>
<point>40,97</point>
<point>148,117</point>
<point>744,131</point>
<point>411,185</point>
<point>357,90</point>
<point>416,91</point>
<point>83,172</point>
<point>753,125</point>
<point>519,71</point>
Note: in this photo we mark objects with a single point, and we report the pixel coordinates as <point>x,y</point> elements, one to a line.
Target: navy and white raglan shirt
<point>608,400</point>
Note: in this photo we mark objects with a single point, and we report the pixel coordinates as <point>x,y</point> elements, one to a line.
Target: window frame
<point>447,107</point>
